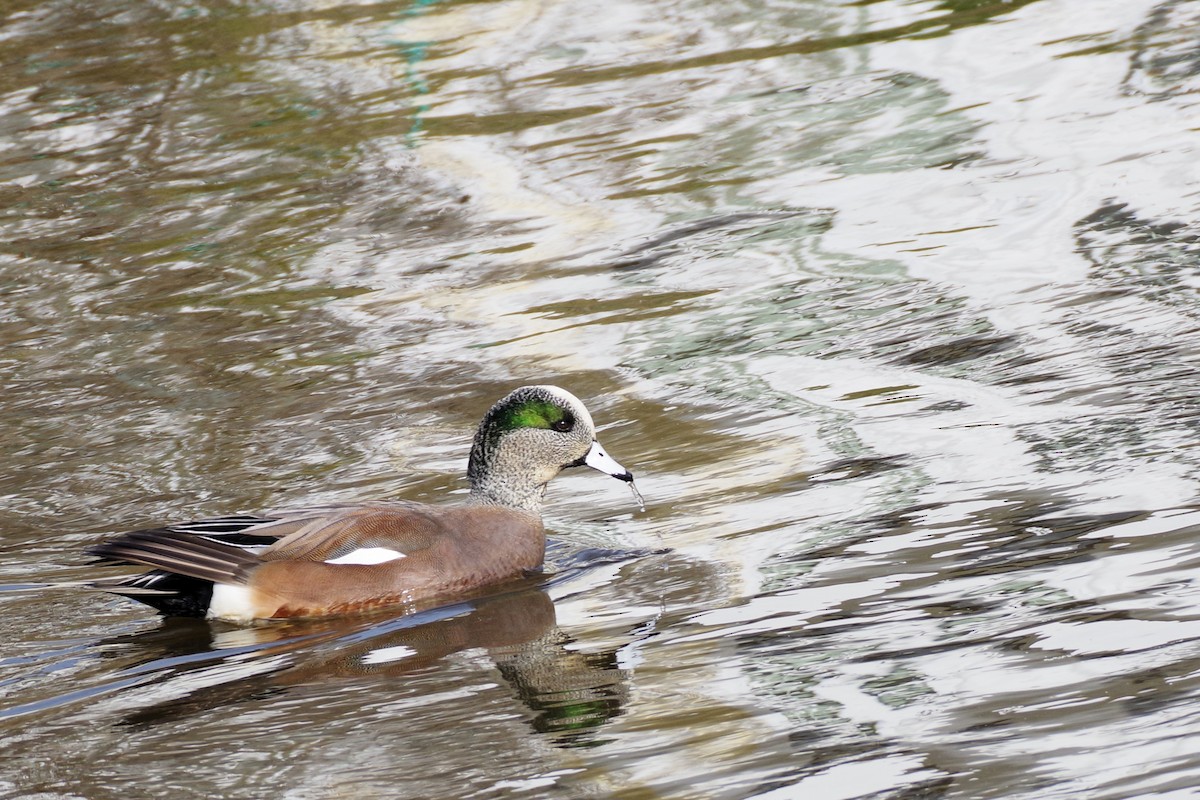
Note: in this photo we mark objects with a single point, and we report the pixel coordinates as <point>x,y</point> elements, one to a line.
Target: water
<point>890,306</point>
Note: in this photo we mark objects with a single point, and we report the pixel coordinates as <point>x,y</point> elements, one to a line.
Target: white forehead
<point>571,401</point>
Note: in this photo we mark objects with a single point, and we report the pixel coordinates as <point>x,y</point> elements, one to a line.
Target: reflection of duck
<point>350,557</point>
<point>565,691</point>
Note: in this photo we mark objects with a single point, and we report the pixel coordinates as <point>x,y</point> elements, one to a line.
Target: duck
<point>345,558</point>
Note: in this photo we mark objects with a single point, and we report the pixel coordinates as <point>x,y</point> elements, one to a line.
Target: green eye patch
<point>531,414</point>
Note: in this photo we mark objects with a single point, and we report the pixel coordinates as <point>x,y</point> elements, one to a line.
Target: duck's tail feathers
<point>176,552</point>
<point>124,586</point>
<point>167,592</point>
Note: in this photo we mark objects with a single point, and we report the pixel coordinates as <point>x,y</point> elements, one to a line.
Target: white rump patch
<point>368,555</point>
<point>230,602</point>
<point>385,654</point>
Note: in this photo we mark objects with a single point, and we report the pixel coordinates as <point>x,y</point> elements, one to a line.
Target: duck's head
<point>527,438</point>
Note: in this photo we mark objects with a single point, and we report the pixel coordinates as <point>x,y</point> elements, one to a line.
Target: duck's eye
<point>563,425</point>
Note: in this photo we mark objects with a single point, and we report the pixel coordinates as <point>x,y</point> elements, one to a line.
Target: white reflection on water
<point>856,779</point>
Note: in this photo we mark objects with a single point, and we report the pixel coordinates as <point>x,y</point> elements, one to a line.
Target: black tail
<point>166,592</point>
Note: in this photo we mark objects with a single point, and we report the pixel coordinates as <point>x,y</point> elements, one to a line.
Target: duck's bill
<point>597,459</point>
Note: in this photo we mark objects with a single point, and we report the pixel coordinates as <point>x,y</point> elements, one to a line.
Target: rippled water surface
<point>893,307</point>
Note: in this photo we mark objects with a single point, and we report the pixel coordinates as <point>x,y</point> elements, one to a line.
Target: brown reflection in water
<point>566,693</point>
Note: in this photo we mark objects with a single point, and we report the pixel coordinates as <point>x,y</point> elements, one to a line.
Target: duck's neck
<point>500,477</point>
<point>506,493</point>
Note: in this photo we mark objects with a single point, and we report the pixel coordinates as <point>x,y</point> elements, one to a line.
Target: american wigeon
<point>343,558</point>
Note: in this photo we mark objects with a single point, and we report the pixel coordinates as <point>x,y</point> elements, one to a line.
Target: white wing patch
<point>368,555</point>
